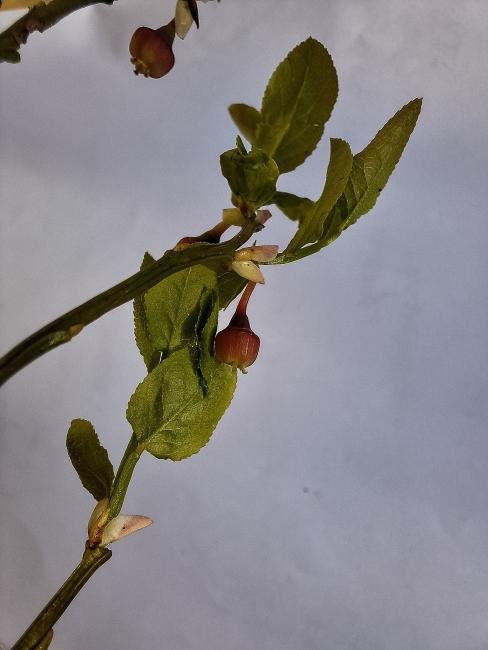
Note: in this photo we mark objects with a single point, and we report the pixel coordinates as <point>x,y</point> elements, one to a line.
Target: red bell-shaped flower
<point>151,50</point>
<point>237,344</point>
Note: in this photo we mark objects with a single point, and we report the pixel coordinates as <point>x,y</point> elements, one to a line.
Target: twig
<point>41,629</point>
<point>38,19</point>
<point>93,559</point>
<point>64,328</point>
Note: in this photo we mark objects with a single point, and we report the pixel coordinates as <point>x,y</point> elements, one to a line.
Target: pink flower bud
<point>257,253</point>
<point>262,216</point>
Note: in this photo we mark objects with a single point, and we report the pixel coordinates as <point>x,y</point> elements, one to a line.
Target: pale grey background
<point>343,502</point>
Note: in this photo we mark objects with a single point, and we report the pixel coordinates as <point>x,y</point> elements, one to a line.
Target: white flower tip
<point>123,525</point>
<point>248,270</point>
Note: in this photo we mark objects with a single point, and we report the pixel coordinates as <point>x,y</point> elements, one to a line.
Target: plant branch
<point>38,19</point>
<point>40,631</point>
<point>65,327</point>
<point>36,633</point>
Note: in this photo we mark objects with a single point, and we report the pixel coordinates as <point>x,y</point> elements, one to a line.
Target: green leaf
<point>371,170</point>
<point>171,413</point>
<point>294,207</point>
<point>173,308</point>
<point>338,171</point>
<point>297,102</point>
<point>230,285</point>
<point>205,329</point>
<point>149,353</point>
<point>89,458</point>
<point>246,118</point>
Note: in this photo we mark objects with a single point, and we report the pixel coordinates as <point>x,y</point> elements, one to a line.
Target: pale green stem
<point>122,479</point>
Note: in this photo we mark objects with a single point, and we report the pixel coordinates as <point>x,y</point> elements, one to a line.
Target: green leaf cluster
<point>175,409</point>
<point>297,103</point>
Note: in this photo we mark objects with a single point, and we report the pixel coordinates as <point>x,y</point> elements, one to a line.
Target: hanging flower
<point>151,50</point>
<point>237,345</point>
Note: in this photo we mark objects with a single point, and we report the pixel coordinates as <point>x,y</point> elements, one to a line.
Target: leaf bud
<point>97,521</point>
<point>237,345</point>
<point>233,217</point>
<point>251,176</point>
<point>151,50</point>
<point>262,216</point>
<point>244,258</point>
<point>123,525</point>
<point>265,253</point>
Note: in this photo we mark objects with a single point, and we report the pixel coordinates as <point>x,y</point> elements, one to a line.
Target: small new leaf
<point>89,459</point>
<point>246,118</point>
<point>311,226</point>
<point>298,101</point>
<point>251,176</point>
<point>371,170</point>
<point>171,414</point>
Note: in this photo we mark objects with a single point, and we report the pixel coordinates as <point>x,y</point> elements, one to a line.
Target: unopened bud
<point>233,217</point>
<point>97,521</point>
<point>262,216</point>
<point>123,525</point>
<point>248,270</point>
<point>257,253</point>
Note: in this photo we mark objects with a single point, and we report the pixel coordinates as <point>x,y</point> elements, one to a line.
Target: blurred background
<point>342,502</point>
